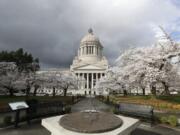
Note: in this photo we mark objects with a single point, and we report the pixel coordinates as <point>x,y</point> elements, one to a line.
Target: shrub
<point>163,119</point>
<point>7,120</point>
<point>172,120</point>
<point>115,110</point>
<point>67,109</point>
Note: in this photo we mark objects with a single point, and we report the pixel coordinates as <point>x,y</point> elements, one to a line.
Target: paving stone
<point>90,104</point>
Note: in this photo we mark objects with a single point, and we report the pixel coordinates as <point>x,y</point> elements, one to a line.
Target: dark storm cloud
<point>51,29</point>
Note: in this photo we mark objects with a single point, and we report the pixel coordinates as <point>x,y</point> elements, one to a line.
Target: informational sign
<point>18,105</point>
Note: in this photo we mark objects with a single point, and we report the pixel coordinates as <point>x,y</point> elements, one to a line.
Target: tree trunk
<point>65,92</point>
<point>28,91</point>
<point>153,90</point>
<point>144,92</point>
<point>166,88</point>
<point>125,92</point>
<point>54,91</point>
<point>35,90</point>
<point>11,92</point>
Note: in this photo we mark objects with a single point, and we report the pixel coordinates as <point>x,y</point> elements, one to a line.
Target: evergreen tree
<point>23,60</point>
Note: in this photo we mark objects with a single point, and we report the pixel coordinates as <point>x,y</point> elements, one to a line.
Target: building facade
<point>90,64</point>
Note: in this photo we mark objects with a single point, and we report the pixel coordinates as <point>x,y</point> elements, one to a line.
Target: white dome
<point>90,38</point>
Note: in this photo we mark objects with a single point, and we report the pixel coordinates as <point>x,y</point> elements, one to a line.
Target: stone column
<point>83,81</point>
<point>97,50</point>
<point>82,50</point>
<point>94,50</point>
<point>100,75</point>
<point>88,50</point>
<point>92,77</point>
<point>78,80</point>
<point>96,77</point>
<point>87,80</point>
<point>85,52</point>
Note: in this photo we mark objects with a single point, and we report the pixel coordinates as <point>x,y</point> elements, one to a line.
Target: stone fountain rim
<point>92,131</point>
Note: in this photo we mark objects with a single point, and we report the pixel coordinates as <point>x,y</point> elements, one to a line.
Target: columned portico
<point>88,80</point>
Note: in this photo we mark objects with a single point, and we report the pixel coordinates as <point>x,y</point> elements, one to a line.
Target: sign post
<point>17,106</point>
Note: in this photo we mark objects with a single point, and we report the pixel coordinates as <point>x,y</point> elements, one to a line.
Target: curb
<point>148,127</point>
<point>173,128</point>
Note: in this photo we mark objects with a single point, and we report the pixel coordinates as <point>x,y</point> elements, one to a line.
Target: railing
<point>39,110</point>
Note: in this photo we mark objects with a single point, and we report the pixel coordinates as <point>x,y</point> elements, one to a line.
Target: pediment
<point>89,67</point>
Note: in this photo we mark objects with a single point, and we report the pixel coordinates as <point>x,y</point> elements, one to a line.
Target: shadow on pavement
<point>143,132</point>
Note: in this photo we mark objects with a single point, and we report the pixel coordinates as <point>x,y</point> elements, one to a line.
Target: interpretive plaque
<point>18,105</point>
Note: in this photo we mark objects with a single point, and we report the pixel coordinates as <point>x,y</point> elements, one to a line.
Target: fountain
<point>90,121</point>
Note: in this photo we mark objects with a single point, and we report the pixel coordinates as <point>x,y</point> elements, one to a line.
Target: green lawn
<point>166,103</point>
<point>173,99</point>
<point>170,99</point>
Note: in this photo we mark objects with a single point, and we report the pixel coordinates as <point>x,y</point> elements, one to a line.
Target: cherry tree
<point>9,77</point>
<point>149,66</point>
<point>13,80</point>
<point>145,67</point>
<point>113,82</point>
<point>108,84</point>
<point>60,80</point>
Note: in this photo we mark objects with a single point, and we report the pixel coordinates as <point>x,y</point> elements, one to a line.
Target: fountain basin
<point>90,122</point>
<point>53,125</point>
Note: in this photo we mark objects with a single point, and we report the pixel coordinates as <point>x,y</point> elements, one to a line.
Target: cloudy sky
<point>52,29</point>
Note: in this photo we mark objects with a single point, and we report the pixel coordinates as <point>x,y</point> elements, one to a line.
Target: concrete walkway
<point>90,104</point>
<point>157,129</point>
<point>86,104</point>
<point>34,129</point>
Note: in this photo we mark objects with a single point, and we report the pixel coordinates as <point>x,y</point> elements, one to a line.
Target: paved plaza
<point>36,129</point>
<point>90,104</point>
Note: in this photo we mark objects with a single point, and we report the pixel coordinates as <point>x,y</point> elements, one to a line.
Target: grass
<point>164,103</point>
<point>173,99</point>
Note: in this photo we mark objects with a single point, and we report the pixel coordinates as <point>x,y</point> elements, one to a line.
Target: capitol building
<point>89,66</point>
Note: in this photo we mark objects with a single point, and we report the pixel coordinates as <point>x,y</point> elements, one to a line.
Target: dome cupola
<point>90,47</point>
<point>90,38</point>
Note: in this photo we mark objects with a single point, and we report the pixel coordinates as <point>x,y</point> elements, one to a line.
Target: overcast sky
<point>52,29</point>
